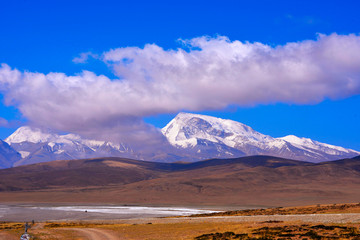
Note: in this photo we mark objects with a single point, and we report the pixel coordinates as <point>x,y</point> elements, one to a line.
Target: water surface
<point>88,212</point>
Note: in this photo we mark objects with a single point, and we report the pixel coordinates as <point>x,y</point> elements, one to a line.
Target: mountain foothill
<point>254,181</point>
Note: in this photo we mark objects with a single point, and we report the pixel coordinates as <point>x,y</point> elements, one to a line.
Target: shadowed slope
<point>257,180</point>
<point>8,155</point>
<point>75,173</point>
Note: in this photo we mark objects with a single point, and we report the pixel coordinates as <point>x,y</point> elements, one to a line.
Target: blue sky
<point>45,36</point>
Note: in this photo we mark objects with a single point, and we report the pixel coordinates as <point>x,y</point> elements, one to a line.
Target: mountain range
<point>193,137</point>
<point>226,138</point>
<point>35,145</point>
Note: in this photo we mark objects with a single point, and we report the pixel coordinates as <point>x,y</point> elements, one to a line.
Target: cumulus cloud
<point>217,72</point>
<point>206,73</point>
<point>87,104</point>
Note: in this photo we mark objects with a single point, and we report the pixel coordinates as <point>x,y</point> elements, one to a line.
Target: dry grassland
<point>316,209</point>
<point>198,231</point>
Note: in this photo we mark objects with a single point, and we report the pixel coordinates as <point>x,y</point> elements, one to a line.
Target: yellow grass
<point>315,209</point>
<point>181,231</point>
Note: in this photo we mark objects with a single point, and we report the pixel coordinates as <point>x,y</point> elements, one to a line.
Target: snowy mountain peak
<point>298,140</point>
<point>312,144</point>
<point>186,128</point>
<point>194,131</point>
<point>37,135</point>
<point>35,145</point>
<point>28,134</point>
<point>183,119</point>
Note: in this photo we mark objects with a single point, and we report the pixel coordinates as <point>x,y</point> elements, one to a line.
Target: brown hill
<point>247,181</point>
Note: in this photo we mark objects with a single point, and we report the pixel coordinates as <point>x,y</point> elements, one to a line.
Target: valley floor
<point>292,226</point>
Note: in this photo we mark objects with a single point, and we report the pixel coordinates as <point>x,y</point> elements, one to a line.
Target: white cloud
<point>220,72</point>
<point>208,73</point>
<point>84,57</point>
<point>3,122</point>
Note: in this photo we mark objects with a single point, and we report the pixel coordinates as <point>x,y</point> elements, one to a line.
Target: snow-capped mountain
<point>192,136</point>
<point>227,138</point>
<point>37,145</point>
<point>8,155</point>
